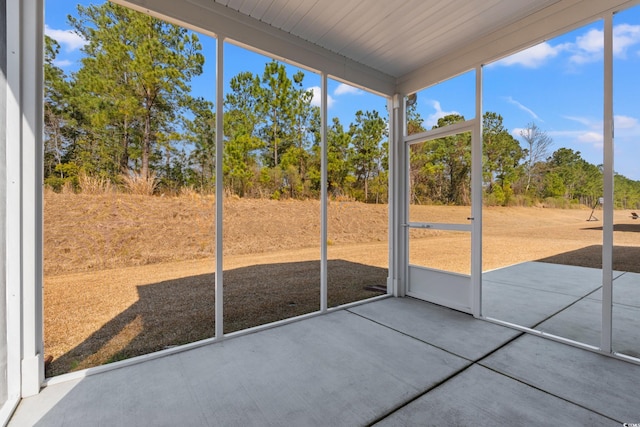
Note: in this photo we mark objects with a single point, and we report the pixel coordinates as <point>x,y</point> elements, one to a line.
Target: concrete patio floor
<point>565,300</point>
<point>391,362</point>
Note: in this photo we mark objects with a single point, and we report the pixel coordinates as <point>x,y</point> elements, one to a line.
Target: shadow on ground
<point>625,228</point>
<point>181,311</point>
<point>625,258</point>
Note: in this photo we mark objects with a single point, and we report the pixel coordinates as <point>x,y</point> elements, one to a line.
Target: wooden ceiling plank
<point>247,6</point>
<point>291,13</point>
<point>321,19</point>
<point>275,8</point>
<point>472,26</point>
<point>233,4</point>
<point>260,8</point>
<point>301,14</point>
<point>414,22</point>
<point>364,24</point>
<point>435,30</point>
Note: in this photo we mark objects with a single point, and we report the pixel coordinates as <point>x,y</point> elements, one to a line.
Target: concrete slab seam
<point>566,307</point>
<point>547,392</point>
<point>419,395</point>
<point>411,336</point>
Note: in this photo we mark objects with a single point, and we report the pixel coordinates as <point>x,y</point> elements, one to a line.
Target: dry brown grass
<point>127,274</point>
<point>140,185</point>
<point>106,231</point>
<point>90,185</point>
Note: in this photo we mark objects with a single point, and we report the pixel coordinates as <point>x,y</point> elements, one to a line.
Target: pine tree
<point>133,85</point>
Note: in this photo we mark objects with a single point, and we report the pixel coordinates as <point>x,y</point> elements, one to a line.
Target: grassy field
<point>127,275</point>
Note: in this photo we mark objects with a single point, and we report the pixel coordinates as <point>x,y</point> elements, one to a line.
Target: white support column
<point>391,286</point>
<point>219,287</point>
<point>323,193</point>
<point>607,215</point>
<point>32,95</point>
<point>397,202</point>
<point>13,171</point>
<point>6,404</point>
<point>476,203</point>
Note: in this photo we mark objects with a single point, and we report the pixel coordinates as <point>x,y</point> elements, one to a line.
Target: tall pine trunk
<point>146,146</point>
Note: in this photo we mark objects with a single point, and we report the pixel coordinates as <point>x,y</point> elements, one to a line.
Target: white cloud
<point>627,129</point>
<point>532,57</point>
<point>432,119</point>
<point>517,132</point>
<point>589,133</point>
<point>590,137</point>
<point>316,100</point>
<point>586,135</point>
<point>586,48</point>
<point>581,136</point>
<point>345,89</point>
<point>590,46</point>
<point>625,36</point>
<point>68,39</point>
<point>625,122</point>
<point>62,63</point>
<point>582,120</point>
<point>510,100</point>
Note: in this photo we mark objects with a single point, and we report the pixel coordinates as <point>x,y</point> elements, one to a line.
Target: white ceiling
<point>395,37</point>
<point>388,46</point>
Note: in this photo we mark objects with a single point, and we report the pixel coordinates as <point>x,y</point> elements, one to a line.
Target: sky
<point>557,84</point>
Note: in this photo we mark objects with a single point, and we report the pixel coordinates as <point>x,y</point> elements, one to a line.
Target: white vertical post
<point>607,215</point>
<point>476,203</point>
<point>398,172</point>
<point>219,286</point>
<point>13,243</point>
<point>5,324</point>
<point>391,180</point>
<point>323,193</point>
<point>32,95</point>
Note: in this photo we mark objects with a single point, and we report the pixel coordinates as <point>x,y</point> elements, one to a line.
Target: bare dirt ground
<point>127,275</point>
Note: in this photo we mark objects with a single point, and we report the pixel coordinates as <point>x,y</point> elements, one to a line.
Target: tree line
<point>128,113</point>
<point>513,173</point>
